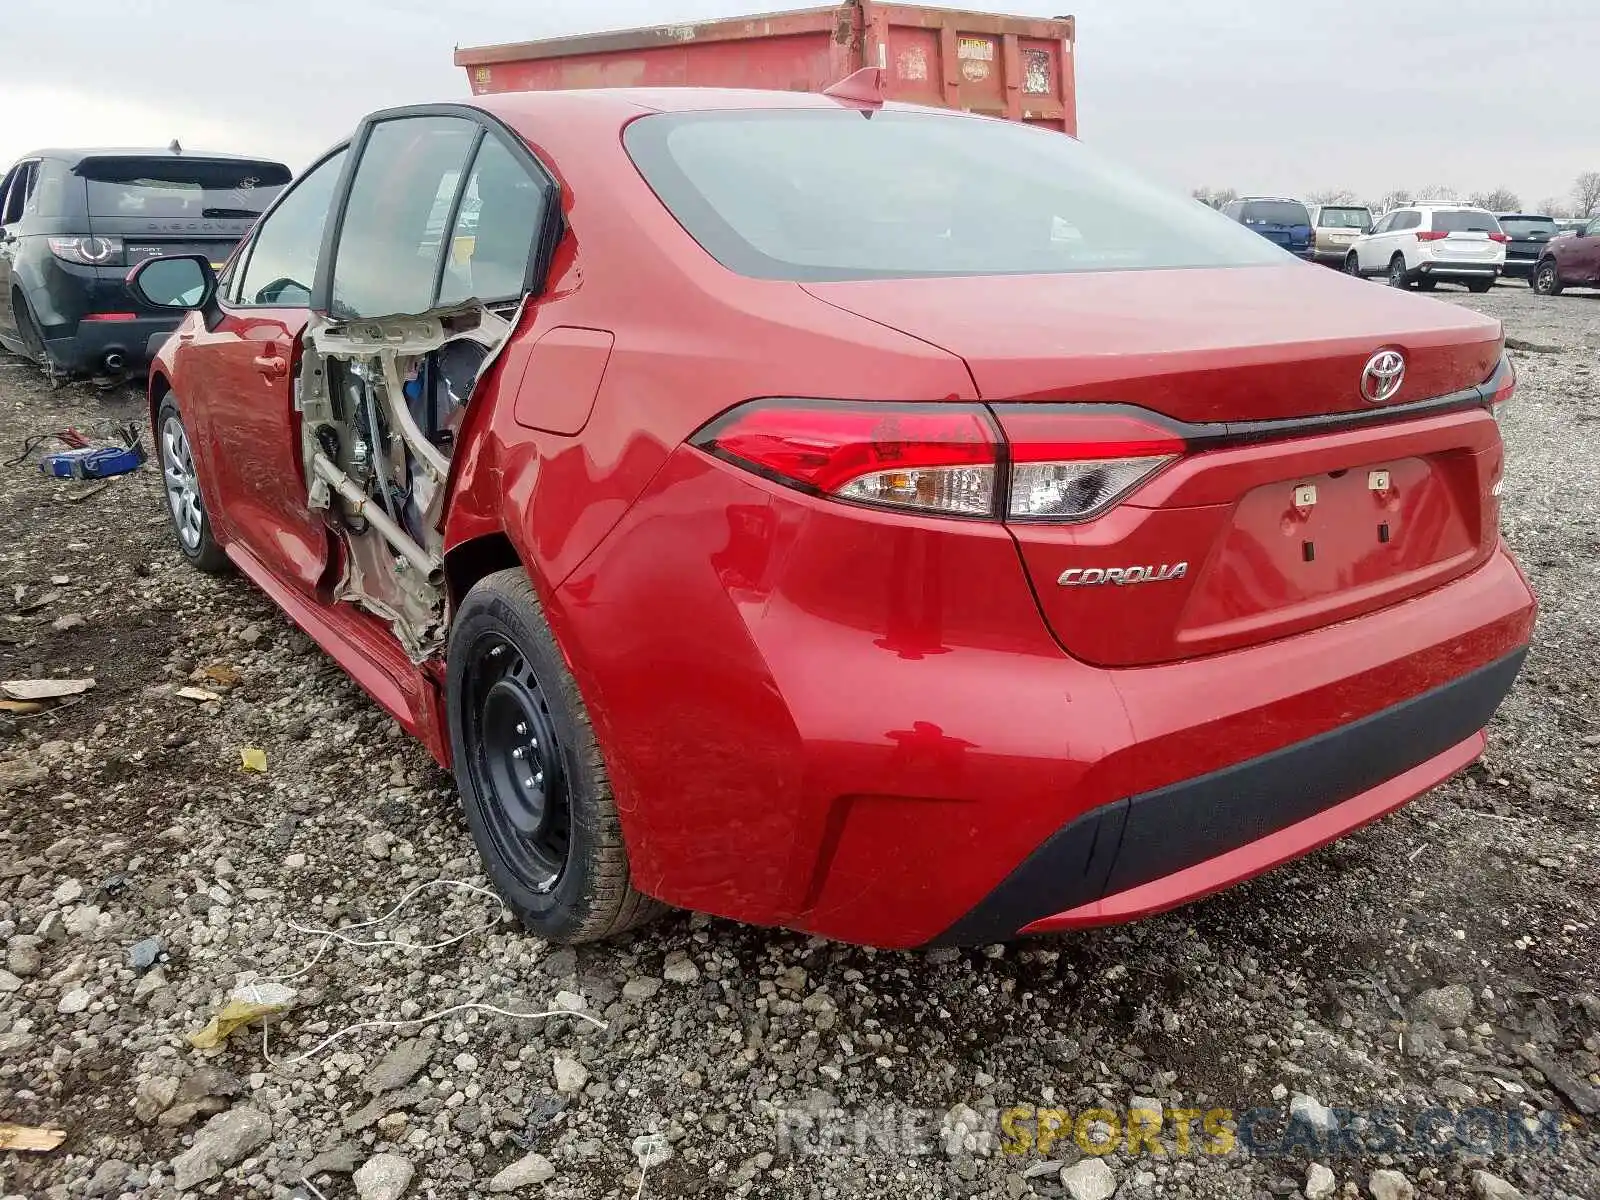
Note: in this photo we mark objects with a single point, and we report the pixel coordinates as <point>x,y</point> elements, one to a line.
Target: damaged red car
<point>894,524</point>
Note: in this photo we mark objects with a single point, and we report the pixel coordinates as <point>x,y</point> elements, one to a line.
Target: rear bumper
<point>1460,270</point>
<point>1176,844</point>
<point>85,351</point>
<point>1519,268</point>
<point>864,730</point>
<point>1333,256</point>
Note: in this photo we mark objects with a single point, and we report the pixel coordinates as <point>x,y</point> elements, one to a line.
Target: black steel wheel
<point>516,757</point>
<point>533,785</point>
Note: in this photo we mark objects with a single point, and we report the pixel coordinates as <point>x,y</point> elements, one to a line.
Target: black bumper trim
<point>1131,842</point>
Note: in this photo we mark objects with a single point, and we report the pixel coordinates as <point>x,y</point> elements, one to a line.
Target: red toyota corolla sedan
<point>888,523</point>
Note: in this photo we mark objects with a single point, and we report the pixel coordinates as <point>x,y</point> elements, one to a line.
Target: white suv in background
<point>1429,243</point>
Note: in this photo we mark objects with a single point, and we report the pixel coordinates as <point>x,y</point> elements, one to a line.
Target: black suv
<point>1527,235</point>
<point>72,223</point>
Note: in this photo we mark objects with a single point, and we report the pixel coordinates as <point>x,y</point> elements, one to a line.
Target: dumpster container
<point>1019,68</point>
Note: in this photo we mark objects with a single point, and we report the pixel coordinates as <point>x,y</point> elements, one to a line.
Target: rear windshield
<point>1344,218</point>
<point>1528,227</point>
<point>1274,212</point>
<point>176,187</point>
<point>832,196</point>
<point>1465,220</point>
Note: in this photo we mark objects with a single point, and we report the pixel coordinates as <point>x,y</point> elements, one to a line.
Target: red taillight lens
<point>934,458</point>
<point>1502,385</point>
<point>1432,235</point>
<point>1499,237</point>
<point>1072,464</point>
<point>1067,462</point>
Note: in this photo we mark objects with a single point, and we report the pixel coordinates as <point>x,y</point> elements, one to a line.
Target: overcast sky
<point>1258,95</point>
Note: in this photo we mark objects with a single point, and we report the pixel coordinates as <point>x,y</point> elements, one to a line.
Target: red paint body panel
<point>857,721</point>
<point>1019,68</point>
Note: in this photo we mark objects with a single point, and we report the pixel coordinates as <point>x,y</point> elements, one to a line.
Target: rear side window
<point>398,216</point>
<point>1343,218</point>
<point>181,188</point>
<point>491,241</point>
<point>1465,220</point>
<point>826,195</point>
<point>1528,227</point>
<point>18,194</point>
<point>1274,212</point>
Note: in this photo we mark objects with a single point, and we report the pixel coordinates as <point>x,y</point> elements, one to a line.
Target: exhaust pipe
<point>431,567</point>
<point>114,361</point>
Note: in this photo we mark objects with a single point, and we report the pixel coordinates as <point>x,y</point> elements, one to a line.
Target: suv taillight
<point>1499,237</point>
<point>88,251</point>
<point>1432,235</point>
<point>1042,462</point>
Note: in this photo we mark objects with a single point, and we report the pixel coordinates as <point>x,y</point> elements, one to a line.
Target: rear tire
<point>1427,285</point>
<point>1479,286</point>
<point>532,782</point>
<point>191,526</point>
<point>32,339</point>
<point>1398,277</point>
<point>1352,265</point>
<point>1546,279</point>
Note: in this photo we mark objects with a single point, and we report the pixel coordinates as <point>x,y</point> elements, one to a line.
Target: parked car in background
<point>1566,225</point>
<point>1572,261</point>
<point>1428,244</point>
<point>73,221</point>
<point>1285,223</point>
<point>635,508</point>
<point>1335,229</point>
<point>1527,235</point>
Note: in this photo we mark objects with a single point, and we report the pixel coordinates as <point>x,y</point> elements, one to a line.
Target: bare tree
<point>1586,194</point>
<point>1551,207</point>
<point>1215,197</point>
<point>1500,200</point>
<point>1435,193</point>
<point>1398,198</point>
<point>1339,196</point>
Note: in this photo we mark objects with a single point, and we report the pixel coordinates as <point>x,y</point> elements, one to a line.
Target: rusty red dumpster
<point>1014,67</point>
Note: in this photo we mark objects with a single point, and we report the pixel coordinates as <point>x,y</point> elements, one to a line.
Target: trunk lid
<point>1274,535</point>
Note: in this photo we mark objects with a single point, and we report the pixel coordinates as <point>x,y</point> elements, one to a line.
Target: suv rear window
<point>1528,227</point>
<point>1274,212</point>
<point>194,188</point>
<point>1465,220</point>
<point>825,195</point>
<point>1343,218</point>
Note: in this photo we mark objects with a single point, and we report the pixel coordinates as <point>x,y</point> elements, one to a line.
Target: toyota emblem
<point>1385,372</point>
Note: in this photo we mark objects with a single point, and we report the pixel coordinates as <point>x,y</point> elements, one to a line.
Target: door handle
<point>272,366</point>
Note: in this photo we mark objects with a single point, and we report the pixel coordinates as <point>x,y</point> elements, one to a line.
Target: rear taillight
<point>1432,235</point>
<point>1501,386</point>
<point>88,251</point>
<point>1070,463</point>
<point>1499,237</point>
<point>934,458</point>
<point>1062,463</point>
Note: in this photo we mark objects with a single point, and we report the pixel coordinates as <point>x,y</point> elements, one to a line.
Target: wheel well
<point>473,560</point>
<point>159,388</point>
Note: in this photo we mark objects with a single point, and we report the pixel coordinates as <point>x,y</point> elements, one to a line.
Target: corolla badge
<point>1384,373</point>
<point>1121,576</point>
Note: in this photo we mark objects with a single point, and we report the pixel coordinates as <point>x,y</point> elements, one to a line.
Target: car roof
<point>1526,216</point>
<point>1272,199</point>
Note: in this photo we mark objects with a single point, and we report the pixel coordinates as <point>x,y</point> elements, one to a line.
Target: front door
<point>238,387</point>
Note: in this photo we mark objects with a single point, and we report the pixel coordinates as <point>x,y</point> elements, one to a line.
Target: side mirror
<point>183,281</point>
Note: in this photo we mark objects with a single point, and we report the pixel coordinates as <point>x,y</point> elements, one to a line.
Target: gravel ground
<point>1441,960</point>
